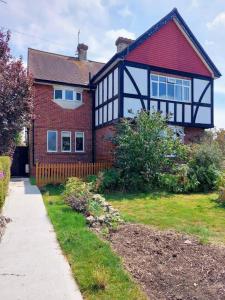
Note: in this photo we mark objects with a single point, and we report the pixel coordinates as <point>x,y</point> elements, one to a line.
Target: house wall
<point>136,95</point>
<point>50,116</point>
<point>103,144</point>
<point>169,48</point>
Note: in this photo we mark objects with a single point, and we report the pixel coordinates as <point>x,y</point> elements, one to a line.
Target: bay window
<point>169,88</point>
<point>67,94</point>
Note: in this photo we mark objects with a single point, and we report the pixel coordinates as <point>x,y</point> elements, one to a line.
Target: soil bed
<point>169,265</point>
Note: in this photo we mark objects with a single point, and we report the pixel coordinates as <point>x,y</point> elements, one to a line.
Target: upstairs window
<point>66,141</point>
<point>79,141</point>
<point>67,94</point>
<point>52,140</point>
<point>169,88</point>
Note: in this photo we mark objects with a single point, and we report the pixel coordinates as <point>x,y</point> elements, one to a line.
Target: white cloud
<point>125,12</point>
<point>217,21</point>
<point>114,34</point>
<point>219,86</point>
<point>209,43</point>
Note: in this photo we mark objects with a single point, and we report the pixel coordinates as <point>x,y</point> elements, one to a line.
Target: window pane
<point>58,94</point>
<point>171,80</point>
<point>162,79</point>
<point>178,92</point>
<point>52,141</point>
<point>186,82</point>
<point>66,141</point>
<point>154,77</point>
<point>79,141</point>
<point>154,89</point>
<point>68,94</point>
<point>186,93</point>
<point>170,91</point>
<point>162,90</point>
<point>78,96</point>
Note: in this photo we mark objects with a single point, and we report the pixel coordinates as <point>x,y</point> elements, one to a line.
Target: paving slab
<point>32,265</point>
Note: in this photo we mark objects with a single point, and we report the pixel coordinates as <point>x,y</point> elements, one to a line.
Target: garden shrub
<point>143,149</point>
<point>206,164</point>
<point>76,194</point>
<point>106,181</point>
<point>5,164</point>
<point>181,181</point>
<point>221,198</point>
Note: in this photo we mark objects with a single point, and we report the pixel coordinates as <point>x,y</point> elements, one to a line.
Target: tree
<point>220,138</point>
<point>145,147</point>
<point>16,96</point>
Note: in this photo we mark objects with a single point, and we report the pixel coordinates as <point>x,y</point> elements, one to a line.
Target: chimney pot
<point>122,43</point>
<point>82,51</point>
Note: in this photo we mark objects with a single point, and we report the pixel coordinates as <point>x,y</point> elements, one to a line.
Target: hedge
<point>5,164</point>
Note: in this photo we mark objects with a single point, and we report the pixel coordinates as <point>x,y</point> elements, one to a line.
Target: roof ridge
<point>57,54</point>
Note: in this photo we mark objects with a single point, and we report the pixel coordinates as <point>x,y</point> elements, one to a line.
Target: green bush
<point>221,198</point>
<point>144,147</point>
<point>77,194</point>
<point>5,164</point>
<point>106,181</point>
<point>181,181</point>
<point>206,164</point>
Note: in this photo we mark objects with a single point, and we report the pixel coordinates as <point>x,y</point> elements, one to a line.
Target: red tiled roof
<point>60,68</point>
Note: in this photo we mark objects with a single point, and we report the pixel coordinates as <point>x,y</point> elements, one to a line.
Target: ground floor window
<point>52,141</point>
<point>79,141</point>
<point>66,141</point>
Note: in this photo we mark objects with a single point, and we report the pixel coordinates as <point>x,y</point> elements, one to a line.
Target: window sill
<point>67,153</point>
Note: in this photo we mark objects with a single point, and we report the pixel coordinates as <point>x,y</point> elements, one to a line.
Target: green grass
<point>96,268</point>
<point>197,214</point>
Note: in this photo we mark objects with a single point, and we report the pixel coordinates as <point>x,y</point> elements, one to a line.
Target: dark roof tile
<point>60,68</point>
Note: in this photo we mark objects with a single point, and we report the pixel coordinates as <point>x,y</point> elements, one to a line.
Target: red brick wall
<point>49,115</point>
<point>168,48</point>
<point>192,134</point>
<point>103,146</point>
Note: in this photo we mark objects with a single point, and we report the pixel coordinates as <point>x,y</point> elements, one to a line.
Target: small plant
<point>221,199</point>
<point>105,181</point>
<point>77,194</point>
<point>100,278</point>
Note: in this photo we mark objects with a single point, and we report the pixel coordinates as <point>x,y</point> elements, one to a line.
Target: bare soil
<point>169,265</point>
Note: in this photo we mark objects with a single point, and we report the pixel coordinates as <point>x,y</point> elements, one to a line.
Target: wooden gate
<point>20,159</point>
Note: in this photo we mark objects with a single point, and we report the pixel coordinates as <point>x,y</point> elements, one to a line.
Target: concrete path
<point>32,266</point>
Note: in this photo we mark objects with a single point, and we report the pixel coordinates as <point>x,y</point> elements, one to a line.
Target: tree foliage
<point>145,147</point>
<point>15,96</point>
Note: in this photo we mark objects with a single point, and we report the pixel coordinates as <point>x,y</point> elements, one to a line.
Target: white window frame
<point>68,88</point>
<point>53,151</point>
<point>169,79</point>
<point>79,151</point>
<point>62,132</point>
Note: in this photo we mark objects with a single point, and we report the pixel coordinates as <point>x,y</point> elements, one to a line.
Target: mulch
<point>169,265</point>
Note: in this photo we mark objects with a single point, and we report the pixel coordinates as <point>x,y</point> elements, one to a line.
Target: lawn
<point>96,268</point>
<point>197,214</point>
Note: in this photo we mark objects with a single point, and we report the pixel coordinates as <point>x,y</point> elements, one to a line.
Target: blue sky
<point>53,25</point>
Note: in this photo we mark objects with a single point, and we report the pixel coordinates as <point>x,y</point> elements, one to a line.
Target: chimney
<point>122,43</point>
<point>82,51</point>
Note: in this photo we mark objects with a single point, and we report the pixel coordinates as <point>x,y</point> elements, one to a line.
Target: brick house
<point>78,101</point>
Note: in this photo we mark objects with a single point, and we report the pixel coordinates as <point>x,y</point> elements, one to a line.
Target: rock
<point>101,219</point>
<point>90,220</point>
<point>188,242</point>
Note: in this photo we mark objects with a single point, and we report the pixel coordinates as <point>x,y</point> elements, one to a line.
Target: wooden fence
<point>59,172</point>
